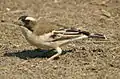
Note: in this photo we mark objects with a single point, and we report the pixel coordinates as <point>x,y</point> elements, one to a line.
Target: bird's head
<point>28,22</point>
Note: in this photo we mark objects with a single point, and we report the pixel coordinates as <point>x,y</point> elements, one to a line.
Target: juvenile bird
<point>47,35</point>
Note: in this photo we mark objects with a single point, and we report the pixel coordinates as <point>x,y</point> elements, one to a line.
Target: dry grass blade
<point>14,12</point>
<point>3,68</point>
<point>102,41</point>
<point>106,13</point>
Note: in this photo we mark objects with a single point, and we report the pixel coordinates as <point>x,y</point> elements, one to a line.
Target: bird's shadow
<point>36,53</point>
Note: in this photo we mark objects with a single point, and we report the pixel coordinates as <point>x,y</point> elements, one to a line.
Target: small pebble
<point>8,9</point>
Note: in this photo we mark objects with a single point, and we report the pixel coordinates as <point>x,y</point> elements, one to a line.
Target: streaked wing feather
<point>65,34</point>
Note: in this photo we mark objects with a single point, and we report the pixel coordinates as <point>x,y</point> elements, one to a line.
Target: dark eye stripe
<point>26,21</point>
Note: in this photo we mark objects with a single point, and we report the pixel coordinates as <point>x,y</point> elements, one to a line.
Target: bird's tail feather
<point>96,35</point>
<point>93,35</point>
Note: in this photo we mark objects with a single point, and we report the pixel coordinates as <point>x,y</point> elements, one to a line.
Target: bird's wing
<point>73,33</point>
<point>45,27</point>
<point>65,34</point>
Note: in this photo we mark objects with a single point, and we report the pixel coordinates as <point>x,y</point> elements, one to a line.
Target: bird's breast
<point>38,41</point>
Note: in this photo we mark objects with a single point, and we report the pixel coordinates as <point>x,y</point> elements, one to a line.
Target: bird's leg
<point>59,52</point>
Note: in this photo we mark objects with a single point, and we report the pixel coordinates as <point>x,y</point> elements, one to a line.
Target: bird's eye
<point>27,21</point>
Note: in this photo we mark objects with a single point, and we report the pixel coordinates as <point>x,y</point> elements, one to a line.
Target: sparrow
<point>51,36</point>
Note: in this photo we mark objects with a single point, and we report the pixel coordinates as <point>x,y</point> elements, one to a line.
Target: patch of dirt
<point>89,59</point>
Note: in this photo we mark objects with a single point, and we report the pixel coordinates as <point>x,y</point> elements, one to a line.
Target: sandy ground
<point>89,59</point>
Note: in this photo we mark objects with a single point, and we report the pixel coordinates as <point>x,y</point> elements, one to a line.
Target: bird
<point>51,36</point>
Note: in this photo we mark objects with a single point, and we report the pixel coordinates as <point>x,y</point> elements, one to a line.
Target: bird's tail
<point>96,35</point>
<point>80,35</point>
<point>93,35</point>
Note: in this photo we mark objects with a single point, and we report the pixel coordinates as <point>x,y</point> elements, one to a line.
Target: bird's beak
<point>19,18</point>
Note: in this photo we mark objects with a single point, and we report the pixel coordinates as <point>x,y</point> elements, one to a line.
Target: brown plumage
<point>48,35</point>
